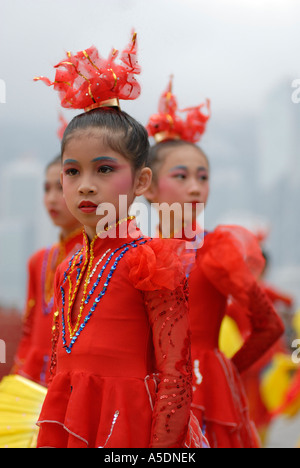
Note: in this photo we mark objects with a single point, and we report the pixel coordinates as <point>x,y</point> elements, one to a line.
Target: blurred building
<point>279,182</point>
<point>279,141</point>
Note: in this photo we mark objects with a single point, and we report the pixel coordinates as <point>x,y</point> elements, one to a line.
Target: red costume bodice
<point>226,270</point>
<point>123,376</point>
<point>33,355</point>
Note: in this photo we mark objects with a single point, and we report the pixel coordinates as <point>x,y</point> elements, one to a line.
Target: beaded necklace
<point>72,294</point>
<point>89,276</point>
<point>53,256</point>
<point>90,273</point>
<point>121,221</point>
<point>86,297</point>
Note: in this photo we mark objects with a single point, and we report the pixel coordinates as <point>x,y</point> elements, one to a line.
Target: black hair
<point>121,132</point>
<point>266,257</point>
<point>159,152</point>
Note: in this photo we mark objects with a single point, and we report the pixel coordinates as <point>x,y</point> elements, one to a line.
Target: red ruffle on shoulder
<point>159,264</point>
<point>232,261</point>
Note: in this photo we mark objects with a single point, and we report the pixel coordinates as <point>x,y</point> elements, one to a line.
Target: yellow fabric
<point>293,408</point>
<point>230,340</point>
<point>276,381</point>
<point>20,404</point>
<point>296,323</point>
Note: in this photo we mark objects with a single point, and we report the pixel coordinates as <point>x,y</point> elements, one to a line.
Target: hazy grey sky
<point>235,52</point>
<point>232,51</point>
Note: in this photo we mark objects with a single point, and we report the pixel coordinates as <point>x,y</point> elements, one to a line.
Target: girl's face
<point>54,200</point>
<point>183,177</point>
<point>94,174</point>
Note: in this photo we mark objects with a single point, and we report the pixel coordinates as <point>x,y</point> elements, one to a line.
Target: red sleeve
<point>240,315</point>
<point>277,296</point>
<point>29,314</point>
<point>157,271</point>
<point>266,329</point>
<point>232,261</point>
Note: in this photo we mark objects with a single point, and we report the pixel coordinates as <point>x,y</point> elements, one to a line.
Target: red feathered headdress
<point>168,125</point>
<point>86,80</point>
<point>63,126</point>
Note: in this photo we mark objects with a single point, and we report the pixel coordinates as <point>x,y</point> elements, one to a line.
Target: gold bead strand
<point>72,297</point>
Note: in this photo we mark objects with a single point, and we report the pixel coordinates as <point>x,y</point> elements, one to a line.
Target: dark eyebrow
<point>202,168</point>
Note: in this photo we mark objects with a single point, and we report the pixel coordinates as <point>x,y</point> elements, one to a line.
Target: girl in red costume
<point>22,393</point>
<point>121,361</point>
<point>267,381</point>
<point>226,268</point>
<point>33,356</point>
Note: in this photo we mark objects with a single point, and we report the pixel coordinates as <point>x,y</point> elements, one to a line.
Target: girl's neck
<point>65,233</point>
<point>112,229</point>
<point>90,232</point>
<point>173,228</point>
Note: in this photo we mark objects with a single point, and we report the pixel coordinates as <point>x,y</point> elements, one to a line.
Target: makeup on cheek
<point>122,181</point>
<point>169,189</point>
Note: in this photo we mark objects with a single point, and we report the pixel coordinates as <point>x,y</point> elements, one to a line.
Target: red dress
<point>32,359</point>
<point>251,378</point>
<point>291,404</point>
<point>124,379</point>
<point>226,267</point>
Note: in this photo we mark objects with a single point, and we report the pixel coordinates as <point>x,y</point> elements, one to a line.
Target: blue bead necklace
<point>124,248</point>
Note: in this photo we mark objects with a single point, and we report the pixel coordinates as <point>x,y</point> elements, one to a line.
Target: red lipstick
<point>53,213</point>
<point>87,207</point>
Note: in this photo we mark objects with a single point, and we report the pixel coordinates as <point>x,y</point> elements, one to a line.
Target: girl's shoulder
<point>230,258</point>
<point>158,264</point>
<point>41,255</point>
<point>226,241</point>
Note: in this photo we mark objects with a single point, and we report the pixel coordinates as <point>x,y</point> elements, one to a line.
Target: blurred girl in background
<point>226,269</point>
<point>23,392</point>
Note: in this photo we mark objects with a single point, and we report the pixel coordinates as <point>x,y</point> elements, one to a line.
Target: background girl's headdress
<point>86,80</point>
<point>168,125</point>
<point>62,127</point>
